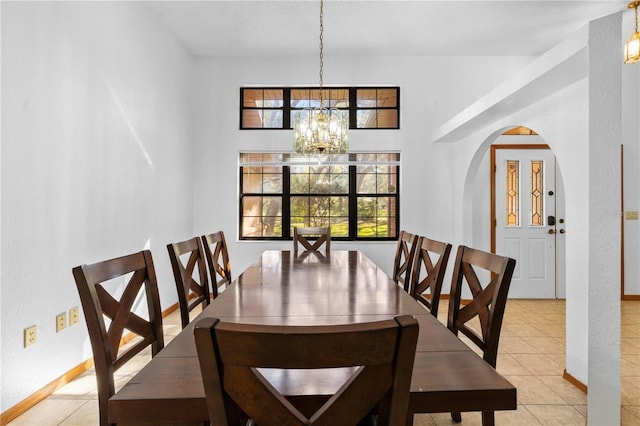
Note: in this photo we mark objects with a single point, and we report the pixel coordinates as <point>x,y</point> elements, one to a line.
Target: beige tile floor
<point>532,353</point>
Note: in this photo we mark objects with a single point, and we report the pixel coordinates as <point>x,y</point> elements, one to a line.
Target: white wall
<point>96,163</point>
<point>631,141</point>
<point>432,90</point>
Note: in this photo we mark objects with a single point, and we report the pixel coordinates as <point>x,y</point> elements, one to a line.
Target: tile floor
<point>532,354</point>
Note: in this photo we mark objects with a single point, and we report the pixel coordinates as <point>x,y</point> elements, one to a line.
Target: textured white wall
<point>96,163</point>
<point>631,141</point>
<point>605,137</point>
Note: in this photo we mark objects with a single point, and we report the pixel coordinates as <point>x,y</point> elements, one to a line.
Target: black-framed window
<point>357,194</point>
<point>276,108</point>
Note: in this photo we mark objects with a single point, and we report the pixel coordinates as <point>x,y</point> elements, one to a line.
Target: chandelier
<point>323,129</point>
<point>632,47</point>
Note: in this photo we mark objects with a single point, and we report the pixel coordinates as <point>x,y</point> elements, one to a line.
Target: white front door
<point>526,222</point>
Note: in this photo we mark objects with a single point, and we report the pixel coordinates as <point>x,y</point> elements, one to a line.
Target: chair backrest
<point>403,262</point>
<point>187,257</point>
<point>129,276</point>
<point>488,301</point>
<point>429,266</point>
<point>217,254</point>
<point>319,236</point>
<point>381,353</point>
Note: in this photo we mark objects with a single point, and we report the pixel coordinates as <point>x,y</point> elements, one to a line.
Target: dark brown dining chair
<point>312,239</point>
<point>429,266</point>
<point>381,353</point>
<point>487,304</point>
<point>187,259</point>
<point>94,282</point>
<point>217,254</point>
<point>403,262</point>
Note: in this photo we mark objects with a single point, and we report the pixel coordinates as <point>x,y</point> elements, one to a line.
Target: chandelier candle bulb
<point>632,47</point>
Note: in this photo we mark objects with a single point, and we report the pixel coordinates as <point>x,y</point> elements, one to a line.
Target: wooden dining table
<point>312,289</point>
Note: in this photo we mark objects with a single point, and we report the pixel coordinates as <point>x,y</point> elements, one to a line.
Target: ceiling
<point>381,28</point>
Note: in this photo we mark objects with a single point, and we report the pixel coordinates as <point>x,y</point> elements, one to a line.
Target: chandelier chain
<point>321,129</point>
<point>321,48</point>
<point>636,17</point>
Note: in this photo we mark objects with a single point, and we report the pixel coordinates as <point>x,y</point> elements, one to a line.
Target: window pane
<point>314,98</point>
<point>366,207</point>
<point>387,98</point>
<point>251,119</point>
<point>376,217</point>
<point>537,199</point>
<point>319,183</point>
<point>340,183</point>
<point>368,157</point>
<point>339,98</point>
<point>513,193</point>
<point>299,183</point>
<point>299,221</point>
<point>319,211</point>
<point>262,98</point>
<point>298,114</point>
<point>387,119</point>
<point>382,229</point>
<point>372,179</point>
<point>388,156</point>
<point>367,227</point>
<point>339,206</point>
<point>366,183</point>
<point>273,98</point>
<point>271,119</point>
<point>251,182</point>
<point>366,98</point>
<point>366,119</point>
<point>262,216</point>
<point>339,226</point>
<point>393,217</point>
<point>300,98</point>
<point>384,185</point>
<point>273,226</point>
<point>252,98</point>
<point>272,183</point>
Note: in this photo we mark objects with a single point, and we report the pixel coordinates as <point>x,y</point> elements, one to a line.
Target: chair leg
<point>456,417</point>
<point>488,418</point>
<point>409,419</point>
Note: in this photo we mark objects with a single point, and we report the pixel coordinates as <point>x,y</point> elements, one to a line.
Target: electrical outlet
<point>631,215</point>
<point>73,315</point>
<point>30,336</point>
<point>61,322</point>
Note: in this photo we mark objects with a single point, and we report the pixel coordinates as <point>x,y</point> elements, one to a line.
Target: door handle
<point>552,231</point>
<point>562,231</point>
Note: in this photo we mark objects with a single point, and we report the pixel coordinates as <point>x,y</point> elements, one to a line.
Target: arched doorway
<point>535,237</point>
